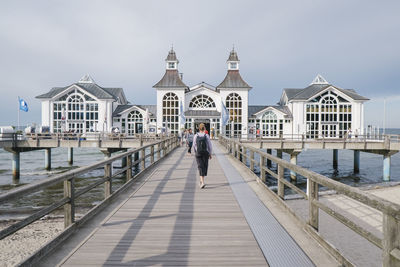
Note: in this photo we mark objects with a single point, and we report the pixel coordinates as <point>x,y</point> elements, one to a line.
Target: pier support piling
<point>269,163</point>
<point>15,166</point>
<point>386,167</point>
<point>70,155</point>
<point>293,160</point>
<point>356,161</point>
<point>47,159</point>
<point>279,153</point>
<point>123,161</point>
<point>335,158</point>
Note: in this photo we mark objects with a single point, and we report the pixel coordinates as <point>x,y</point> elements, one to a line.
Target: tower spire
<point>233,60</point>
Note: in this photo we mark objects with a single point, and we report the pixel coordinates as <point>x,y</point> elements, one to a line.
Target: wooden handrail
<point>390,210</point>
<point>69,188</point>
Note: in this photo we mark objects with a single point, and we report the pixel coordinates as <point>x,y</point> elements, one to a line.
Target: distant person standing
<point>203,150</point>
<point>212,133</point>
<point>189,137</point>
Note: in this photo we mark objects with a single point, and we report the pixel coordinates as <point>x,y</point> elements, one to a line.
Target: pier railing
<point>345,138</point>
<point>155,151</point>
<point>390,244</point>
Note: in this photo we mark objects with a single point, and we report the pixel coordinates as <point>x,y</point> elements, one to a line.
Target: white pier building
<point>317,110</point>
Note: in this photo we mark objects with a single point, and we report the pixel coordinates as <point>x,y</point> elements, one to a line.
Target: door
<point>139,128</point>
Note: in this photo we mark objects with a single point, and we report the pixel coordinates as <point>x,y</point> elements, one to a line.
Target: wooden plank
<point>170,221</point>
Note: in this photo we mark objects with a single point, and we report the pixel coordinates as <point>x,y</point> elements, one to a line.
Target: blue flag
<point>225,114</point>
<point>23,105</point>
<point>182,114</point>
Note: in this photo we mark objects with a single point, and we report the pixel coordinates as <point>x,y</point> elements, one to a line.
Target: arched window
<point>135,122</point>
<point>75,113</point>
<point>328,115</point>
<point>202,101</point>
<point>233,104</point>
<point>269,124</point>
<point>171,112</point>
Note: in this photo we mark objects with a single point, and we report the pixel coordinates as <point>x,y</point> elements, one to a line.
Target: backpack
<point>201,143</point>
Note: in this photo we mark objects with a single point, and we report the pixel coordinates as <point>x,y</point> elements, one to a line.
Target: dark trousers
<point>190,144</point>
<point>202,164</point>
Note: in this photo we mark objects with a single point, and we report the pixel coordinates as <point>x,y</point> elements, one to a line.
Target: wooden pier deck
<point>169,221</point>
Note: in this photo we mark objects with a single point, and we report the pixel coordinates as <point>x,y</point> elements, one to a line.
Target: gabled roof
<point>233,80</point>
<point>291,92</point>
<point>152,109</point>
<point>87,84</point>
<point>122,108</point>
<point>202,84</point>
<point>313,89</point>
<point>252,110</point>
<point>171,79</point>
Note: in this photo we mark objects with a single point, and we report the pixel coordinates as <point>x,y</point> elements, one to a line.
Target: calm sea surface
<point>32,169</point>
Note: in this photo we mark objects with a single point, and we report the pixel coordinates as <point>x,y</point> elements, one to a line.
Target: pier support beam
<point>386,167</point>
<point>335,158</point>
<point>15,166</point>
<point>70,155</point>
<point>47,159</point>
<point>269,163</point>
<point>356,161</point>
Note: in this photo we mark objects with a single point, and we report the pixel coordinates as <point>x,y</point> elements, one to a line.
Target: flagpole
<point>18,113</point>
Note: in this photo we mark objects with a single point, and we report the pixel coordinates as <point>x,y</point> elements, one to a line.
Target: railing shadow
<point>180,236</point>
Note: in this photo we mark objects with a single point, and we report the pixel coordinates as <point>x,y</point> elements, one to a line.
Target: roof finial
<point>233,47</point>
<point>172,47</point>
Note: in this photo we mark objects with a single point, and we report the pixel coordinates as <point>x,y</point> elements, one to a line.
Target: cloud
<point>281,44</point>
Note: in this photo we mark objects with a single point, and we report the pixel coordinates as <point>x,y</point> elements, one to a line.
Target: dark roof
<point>171,79</point>
<point>171,56</point>
<point>121,108</point>
<point>152,109</point>
<point>202,113</point>
<point>313,89</point>
<point>254,109</point>
<point>233,56</point>
<point>352,93</point>
<point>233,80</point>
<point>290,93</point>
<point>92,88</point>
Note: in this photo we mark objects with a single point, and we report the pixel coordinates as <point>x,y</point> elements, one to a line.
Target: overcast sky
<point>281,44</point>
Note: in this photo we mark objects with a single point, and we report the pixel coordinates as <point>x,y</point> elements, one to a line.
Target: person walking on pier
<point>203,149</point>
<point>190,137</point>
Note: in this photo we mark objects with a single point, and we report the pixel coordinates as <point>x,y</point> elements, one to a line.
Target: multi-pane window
<point>171,112</point>
<point>234,106</point>
<point>76,112</point>
<point>92,116</point>
<point>344,119</point>
<point>171,65</point>
<point>202,101</point>
<point>312,118</point>
<point>328,115</point>
<point>58,117</point>
<point>135,122</point>
<point>269,124</point>
<point>233,65</point>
